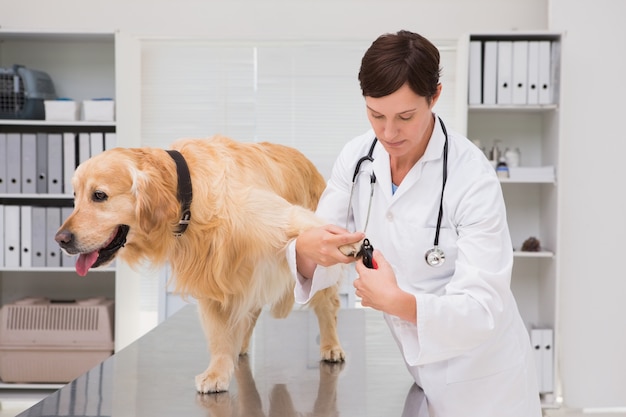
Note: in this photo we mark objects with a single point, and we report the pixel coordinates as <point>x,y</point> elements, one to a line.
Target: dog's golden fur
<point>249,201</point>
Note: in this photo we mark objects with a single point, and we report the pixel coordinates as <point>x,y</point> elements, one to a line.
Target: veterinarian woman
<point>443,264</point>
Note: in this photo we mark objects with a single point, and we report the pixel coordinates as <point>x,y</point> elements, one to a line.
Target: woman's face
<point>402,121</point>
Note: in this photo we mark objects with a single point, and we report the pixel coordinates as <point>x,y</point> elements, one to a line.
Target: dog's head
<point>119,195</point>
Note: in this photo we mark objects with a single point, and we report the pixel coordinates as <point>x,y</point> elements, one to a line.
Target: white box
<point>61,110</point>
<point>99,110</point>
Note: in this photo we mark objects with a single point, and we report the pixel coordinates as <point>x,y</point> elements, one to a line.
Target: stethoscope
<point>435,256</point>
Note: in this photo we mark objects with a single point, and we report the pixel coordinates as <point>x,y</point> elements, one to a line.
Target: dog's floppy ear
<point>156,206</point>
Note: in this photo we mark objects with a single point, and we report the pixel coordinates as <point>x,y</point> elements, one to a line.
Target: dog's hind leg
<point>325,303</point>
<point>225,341</point>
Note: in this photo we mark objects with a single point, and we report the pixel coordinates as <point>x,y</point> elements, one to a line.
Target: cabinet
<point>512,101</point>
<point>81,66</point>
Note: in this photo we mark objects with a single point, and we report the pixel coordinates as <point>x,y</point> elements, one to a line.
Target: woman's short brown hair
<point>395,59</point>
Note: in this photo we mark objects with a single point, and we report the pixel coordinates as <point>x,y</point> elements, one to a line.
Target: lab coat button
<point>390,217</point>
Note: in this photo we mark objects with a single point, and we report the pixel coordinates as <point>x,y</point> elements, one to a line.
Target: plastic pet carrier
<point>48,341</point>
<point>23,91</point>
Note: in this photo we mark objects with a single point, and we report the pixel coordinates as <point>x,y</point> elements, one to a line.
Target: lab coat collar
<point>382,168</point>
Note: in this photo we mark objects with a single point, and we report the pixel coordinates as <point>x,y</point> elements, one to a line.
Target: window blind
<point>302,94</point>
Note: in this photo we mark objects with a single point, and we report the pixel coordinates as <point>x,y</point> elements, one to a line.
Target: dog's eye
<point>99,196</point>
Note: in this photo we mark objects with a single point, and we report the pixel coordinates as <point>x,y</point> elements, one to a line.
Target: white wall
<point>592,310</point>
<point>593,281</point>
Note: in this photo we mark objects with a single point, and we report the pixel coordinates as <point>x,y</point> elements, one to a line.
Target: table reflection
<point>282,375</point>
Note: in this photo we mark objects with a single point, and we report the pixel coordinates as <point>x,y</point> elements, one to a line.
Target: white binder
<point>536,340</point>
<point>12,236</point>
<point>29,163</point>
<point>548,360</point>
<point>66,260</point>
<point>520,72</point>
<point>475,73</point>
<point>26,247</point>
<point>53,222</point>
<point>2,235</point>
<point>545,72</point>
<point>505,72</point>
<point>96,143</point>
<point>110,140</point>
<point>3,163</point>
<point>490,72</point>
<point>69,161</point>
<point>55,163</point>
<point>533,72</point>
<point>84,147</point>
<point>42,163</point>
<point>14,164</point>
<point>38,239</point>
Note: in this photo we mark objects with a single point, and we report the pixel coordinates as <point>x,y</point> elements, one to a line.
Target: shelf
<point>22,386</point>
<point>538,108</point>
<point>53,269</point>
<point>540,254</point>
<point>47,123</point>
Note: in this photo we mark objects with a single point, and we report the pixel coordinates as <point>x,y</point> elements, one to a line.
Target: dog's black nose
<point>64,238</point>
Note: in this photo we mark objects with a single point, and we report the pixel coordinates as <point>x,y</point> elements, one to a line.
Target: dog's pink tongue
<point>84,262</point>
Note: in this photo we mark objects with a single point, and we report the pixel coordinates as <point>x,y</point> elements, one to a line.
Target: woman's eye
<point>99,196</point>
<point>406,118</point>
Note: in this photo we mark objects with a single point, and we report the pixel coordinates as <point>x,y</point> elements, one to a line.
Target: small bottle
<point>502,169</point>
<point>495,153</point>
<point>512,157</point>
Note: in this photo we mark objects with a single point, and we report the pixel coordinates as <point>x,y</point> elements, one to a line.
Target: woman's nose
<point>390,129</point>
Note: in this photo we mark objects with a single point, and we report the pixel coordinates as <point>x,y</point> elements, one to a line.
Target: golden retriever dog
<point>248,202</point>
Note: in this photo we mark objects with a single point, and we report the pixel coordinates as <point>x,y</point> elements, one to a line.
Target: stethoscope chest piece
<point>435,257</point>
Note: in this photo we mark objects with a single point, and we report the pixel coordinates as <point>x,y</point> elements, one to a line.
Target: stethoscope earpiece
<point>435,257</point>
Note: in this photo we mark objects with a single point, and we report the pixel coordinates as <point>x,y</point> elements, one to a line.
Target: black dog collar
<point>184,190</point>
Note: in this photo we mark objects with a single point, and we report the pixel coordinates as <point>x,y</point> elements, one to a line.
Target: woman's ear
<point>435,97</point>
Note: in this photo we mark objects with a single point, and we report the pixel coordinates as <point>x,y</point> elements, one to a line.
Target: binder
<point>96,143</point>
<point>26,236</point>
<point>12,236</point>
<point>69,161</point>
<point>53,222</point>
<point>547,336</point>
<point>533,73</point>
<point>14,165</point>
<point>536,340</point>
<point>475,72</point>
<point>66,260</point>
<point>38,236</point>
<point>3,165</point>
<point>42,163</point>
<point>490,72</point>
<point>55,163</point>
<point>504,94</point>
<point>84,147</point>
<point>29,163</point>
<point>520,72</point>
<point>110,140</point>
<point>2,235</point>
<point>545,72</point>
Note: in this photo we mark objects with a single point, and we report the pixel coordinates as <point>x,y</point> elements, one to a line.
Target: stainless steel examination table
<point>281,376</point>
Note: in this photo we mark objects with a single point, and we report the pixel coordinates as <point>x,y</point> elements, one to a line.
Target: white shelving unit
<point>532,204</point>
<point>81,66</point>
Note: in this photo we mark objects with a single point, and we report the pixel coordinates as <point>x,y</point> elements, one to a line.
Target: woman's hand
<point>320,246</point>
<point>379,290</point>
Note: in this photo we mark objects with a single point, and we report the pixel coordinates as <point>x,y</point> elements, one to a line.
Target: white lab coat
<point>470,351</point>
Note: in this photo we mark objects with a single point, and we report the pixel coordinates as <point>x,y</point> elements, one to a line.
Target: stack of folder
<point>32,164</point>
<point>511,72</point>
<point>43,163</point>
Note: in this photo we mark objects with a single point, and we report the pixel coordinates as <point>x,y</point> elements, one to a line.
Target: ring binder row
<point>511,72</point>
<point>43,163</point>
<point>27,236</point>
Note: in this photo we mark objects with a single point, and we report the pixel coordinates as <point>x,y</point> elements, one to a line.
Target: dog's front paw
<point>333,354</point>
<point>351,249</point>
<point>209,381</point>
